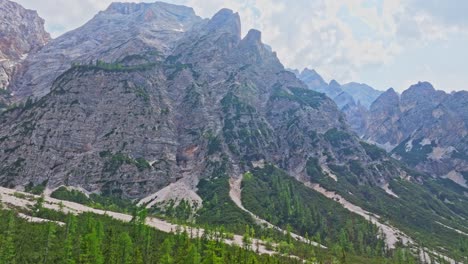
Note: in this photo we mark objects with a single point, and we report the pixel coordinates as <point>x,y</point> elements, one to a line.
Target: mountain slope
<point>425,128</point>
<point>217,96</point>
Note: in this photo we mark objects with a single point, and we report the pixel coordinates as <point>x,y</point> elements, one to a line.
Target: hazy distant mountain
<point>362,93</point>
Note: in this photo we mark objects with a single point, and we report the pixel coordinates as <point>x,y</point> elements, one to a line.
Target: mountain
<point>425,128</point>
<point>333,89</point>
<point>347,94</point>
<point>149,102</point>
<point>114,34</point>
<point>216,97</point>
<point>362,93</point>
<point>348,97</point>
<point>22,33</point>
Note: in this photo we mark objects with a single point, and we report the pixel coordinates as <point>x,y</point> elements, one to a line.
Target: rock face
<point>114,34</point>
<point>21,33</point>
<point>185,99</point>
<point>425,128</point>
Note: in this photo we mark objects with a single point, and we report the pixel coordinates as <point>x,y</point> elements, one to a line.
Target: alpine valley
<point>152,135</point>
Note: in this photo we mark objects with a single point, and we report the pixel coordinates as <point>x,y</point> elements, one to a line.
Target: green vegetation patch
<point>113,162</point>
<point>97,239</point>
<point>416,211</point>
<point>218,208</point>
<point>336,137</point>
<point>110,202</point>
<point>285,202</point>
<point>374,152</point>
<point>304,97</point>
<point>417,154</point>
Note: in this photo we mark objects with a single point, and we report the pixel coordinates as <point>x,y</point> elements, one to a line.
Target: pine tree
<point>166,251</point>
<point>7,250</point>
<point>193,256</point>
<point>126,248</point>
<point>90,251</point>
<point>111,247</point>
<point>68,242</point>
<point>246,238</point>
<point>50,237</point>
<point>211,253</point>
<point>138,257</point>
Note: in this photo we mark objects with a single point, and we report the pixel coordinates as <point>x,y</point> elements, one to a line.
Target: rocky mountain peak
<point>163,14</point>
<point>422,95</point>
<point>362,93</point>
<point>387,100</point>
<point>311,78</point>
<point>253,37</point>
<point>419,89</point>
<point>226,21</point>
<point>334,84</point>
<point>389,94</point>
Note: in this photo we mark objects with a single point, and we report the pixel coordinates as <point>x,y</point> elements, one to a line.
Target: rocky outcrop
<point>213,104</point>
<point>21,33</point>
<point>424,127</point>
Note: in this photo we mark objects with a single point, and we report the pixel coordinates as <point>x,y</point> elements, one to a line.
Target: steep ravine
<point>235,193</point>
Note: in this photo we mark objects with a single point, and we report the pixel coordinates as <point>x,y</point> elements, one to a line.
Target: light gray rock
<point>21,34</point>
<point>117,33</point>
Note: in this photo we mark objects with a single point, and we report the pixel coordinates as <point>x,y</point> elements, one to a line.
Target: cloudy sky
<point>384,43</point>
